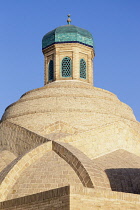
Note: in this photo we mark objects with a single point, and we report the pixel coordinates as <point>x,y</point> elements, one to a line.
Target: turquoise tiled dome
<point>67,34</point>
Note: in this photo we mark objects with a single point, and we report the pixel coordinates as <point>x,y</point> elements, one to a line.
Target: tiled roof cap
<point>67,34</point>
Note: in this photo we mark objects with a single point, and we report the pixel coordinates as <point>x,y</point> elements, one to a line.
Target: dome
<point>79,105</point>
<point>67,34</point>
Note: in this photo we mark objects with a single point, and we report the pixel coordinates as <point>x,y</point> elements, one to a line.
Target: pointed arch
<point>83,69</point>
<point>66,67</point>
<point>51,71</point>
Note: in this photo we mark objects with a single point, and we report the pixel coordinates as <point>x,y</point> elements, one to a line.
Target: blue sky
<point>115,25</point>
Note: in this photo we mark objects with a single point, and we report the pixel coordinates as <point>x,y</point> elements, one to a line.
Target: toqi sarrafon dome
<point>69,135</point>
<point>68,96</point>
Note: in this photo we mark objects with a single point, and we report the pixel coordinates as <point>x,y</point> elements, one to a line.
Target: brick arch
<point>15,169</point>
<point>89,173</point>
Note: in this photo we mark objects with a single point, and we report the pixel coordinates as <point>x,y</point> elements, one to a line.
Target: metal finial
<point>68,20</point>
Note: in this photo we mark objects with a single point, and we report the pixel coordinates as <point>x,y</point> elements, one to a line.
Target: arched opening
<point>51,71</point>
<point>66,69</point>
<point>83,73</point>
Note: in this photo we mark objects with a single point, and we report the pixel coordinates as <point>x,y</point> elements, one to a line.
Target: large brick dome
<point>78,104</point>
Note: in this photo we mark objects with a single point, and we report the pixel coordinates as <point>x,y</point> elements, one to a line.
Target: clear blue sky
<point>115,25</point>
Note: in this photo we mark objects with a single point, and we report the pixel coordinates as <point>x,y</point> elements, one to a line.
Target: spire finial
<point>69,20</point>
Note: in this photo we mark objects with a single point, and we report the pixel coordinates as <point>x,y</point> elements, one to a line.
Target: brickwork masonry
<point>73,198</point>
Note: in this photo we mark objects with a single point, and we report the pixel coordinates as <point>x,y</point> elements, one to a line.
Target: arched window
<point>66,67</point>
<point>51,71</point>
<point>83,73</point>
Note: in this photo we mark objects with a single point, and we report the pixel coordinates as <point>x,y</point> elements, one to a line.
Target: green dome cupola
<point>68,54</point>
<point>67,34</point>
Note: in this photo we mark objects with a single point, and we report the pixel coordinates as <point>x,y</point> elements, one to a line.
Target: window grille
<point>51,70</point>
<point>66,67</point>
<point>82,69</point>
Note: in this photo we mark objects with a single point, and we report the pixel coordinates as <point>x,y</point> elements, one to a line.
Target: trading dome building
<point>69,145</point>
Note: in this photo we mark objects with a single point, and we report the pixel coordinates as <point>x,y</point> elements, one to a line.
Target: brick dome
<point>81,105</point>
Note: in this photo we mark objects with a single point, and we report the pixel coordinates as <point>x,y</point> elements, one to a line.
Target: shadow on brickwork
<point>124,179</point>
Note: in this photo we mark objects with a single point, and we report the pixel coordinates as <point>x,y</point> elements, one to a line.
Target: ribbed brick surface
<point>78,104</point>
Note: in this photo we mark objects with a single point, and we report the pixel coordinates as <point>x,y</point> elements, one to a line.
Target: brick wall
<point>6,157</point>
<point>54,199</point>
<point>17,139</point>
<point>90,199</point>
<point>73,198</point>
